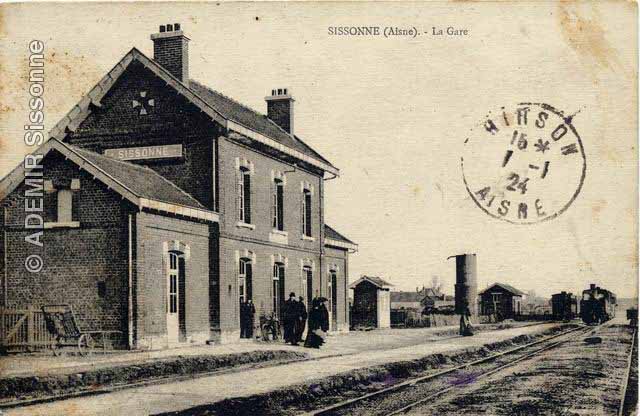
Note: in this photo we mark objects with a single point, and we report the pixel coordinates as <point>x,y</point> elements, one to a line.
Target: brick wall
<point>261,186</point>
<point>337,260</point>
<point>262,278</point>
<point>75,259</point>
<point>152,232</point>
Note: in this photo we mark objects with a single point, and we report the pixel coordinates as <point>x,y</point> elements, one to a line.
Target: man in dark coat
<point>250,312</point>
<point>243,319</point>
<point>289,316</point>
<point>301,322</point>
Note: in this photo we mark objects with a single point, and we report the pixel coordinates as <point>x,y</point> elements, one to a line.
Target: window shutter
<point>274,221</point>
<point>307,213</point>
<point>247,198</point>
<point>238,194</point>
<point>302,217</point>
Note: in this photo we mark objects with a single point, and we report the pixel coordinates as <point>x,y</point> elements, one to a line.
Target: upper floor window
<point>244,196</point>
<point>277,205</point>
<point>306,213</point>
<point>65,205</point>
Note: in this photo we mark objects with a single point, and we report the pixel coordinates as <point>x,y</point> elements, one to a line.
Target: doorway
<point>176,299</point>
<point>333,301</point>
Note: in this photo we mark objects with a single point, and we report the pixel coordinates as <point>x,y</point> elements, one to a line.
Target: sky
<point>392,114</point>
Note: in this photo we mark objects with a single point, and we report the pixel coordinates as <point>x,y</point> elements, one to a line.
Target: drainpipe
<point>130,286</point>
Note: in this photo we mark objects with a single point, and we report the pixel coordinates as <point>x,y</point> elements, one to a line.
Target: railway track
<point>623,409</point>
<point>430,386</point>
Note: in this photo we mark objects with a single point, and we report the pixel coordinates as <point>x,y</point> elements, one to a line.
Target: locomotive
<point>597,305</point>
<point>564,306</point>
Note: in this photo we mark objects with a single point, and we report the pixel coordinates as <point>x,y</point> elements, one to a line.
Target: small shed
<point>501,300</point>
<point>371,303</point>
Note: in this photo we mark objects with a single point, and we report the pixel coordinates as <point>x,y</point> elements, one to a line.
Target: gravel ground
<point>323,392</point>
<point>37,387</point>
<point>631,399</point>
<point>574,379</point>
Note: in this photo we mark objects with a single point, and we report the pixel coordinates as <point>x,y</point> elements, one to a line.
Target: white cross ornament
<point>143,106</point>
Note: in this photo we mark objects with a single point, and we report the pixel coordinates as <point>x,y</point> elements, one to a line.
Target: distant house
<point>436,300</point>
<point>371,303</point>
<point>502,300</point>
<point>407,300</point>
<point>428,298</point>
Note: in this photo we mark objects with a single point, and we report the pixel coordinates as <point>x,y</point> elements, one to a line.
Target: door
<point>173,299</point>
<point>334,301</point>
<point>309,293</point>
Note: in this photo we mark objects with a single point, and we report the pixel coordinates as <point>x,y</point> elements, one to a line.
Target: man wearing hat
<point>290,316</point>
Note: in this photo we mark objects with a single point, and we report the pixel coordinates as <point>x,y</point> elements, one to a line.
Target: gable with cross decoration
<point>145,105</point>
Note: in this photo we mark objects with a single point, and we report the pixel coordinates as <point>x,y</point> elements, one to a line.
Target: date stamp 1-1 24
<point>524,166</point>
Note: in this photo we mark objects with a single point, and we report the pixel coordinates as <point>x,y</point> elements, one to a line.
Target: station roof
<point>376,281</point>
<point>222,109</point>
<point>140,185</point>
<point>504,286</point>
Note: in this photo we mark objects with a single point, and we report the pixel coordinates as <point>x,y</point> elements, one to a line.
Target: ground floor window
<point>245,271</point>
<point>307,285</point>
<point>278,289</point>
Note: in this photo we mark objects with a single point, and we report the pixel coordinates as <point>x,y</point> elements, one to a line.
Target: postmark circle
<point>524,165</point>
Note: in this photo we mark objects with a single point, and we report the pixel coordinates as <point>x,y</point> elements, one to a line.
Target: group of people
<point>296,318</point>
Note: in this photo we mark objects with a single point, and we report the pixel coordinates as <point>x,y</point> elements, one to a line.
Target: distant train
<point>564,306</point>
<point>597,305</point>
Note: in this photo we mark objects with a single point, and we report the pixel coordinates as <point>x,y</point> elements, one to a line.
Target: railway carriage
<point>597,305</point>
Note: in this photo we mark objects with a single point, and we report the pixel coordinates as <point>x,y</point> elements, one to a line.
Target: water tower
<point>466,287</point>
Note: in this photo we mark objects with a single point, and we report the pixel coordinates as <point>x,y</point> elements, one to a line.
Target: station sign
<point>145,152</point>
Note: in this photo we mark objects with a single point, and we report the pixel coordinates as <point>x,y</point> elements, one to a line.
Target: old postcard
<point>319,208</point>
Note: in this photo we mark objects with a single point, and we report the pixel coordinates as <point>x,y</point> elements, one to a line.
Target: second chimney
<point>171,50</point>
<point>280,108</point>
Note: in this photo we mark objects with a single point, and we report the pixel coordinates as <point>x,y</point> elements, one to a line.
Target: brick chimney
<point>171,50</point>
<point>280,108</point>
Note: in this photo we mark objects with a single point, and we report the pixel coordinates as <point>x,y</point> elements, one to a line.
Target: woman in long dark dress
<point>318,324</point>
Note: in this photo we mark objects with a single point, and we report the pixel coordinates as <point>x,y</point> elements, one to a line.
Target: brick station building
<point>166,203</point>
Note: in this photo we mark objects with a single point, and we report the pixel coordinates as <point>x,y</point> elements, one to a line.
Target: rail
<point>622,408</point>
<point>412,382</point>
